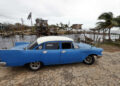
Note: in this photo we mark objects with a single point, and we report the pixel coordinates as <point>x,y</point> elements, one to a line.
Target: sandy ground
<point>105,72</point>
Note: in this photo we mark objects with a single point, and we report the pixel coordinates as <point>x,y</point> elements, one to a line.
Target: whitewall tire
<point>34,66</point>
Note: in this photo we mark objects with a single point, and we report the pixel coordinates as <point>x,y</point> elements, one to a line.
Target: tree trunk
<point>94,36</point>
<point>119,36</point>
<point>109,34</point>
<point>103,35</point>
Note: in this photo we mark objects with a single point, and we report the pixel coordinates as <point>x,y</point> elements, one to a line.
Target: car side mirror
<point>40,47</point>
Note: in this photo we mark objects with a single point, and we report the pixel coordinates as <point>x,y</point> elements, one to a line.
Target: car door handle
<point>63,51</point>
<point>44,52</point>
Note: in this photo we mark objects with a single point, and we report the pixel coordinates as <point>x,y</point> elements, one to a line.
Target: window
<point>32,45</point>
<point>66,45</point>
<point>40,47</point>
<point>52,46</point>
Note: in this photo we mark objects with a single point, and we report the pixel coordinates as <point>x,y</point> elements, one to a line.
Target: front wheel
<point>34,66</point>
<point>89,60</point>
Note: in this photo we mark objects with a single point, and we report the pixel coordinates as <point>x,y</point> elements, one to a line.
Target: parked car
<point>49,50</point>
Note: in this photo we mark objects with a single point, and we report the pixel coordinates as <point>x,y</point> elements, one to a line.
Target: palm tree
<point>102,26</point>
<point>108,20</point>
<point>116,21</point>
<point>61,25</point>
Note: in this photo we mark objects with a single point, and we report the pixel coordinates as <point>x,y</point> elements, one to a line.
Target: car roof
<point>53,38</point>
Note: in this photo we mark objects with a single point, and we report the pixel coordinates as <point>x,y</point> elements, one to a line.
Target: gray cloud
<point>75,11</point>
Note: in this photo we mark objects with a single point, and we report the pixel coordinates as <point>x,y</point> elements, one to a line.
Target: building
<point>2,26</point>
<point>42,27</point>
<point>41,22</point>
<point>76,26</point>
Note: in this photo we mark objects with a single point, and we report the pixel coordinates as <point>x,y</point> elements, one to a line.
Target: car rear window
<point>67,45</point>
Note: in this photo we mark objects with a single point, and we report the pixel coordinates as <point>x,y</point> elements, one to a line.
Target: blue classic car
<point>49,50</point>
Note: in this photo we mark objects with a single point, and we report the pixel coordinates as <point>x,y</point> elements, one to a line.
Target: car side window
<point>67,45</point>
<point>40,47</point>
<point>52,45</point>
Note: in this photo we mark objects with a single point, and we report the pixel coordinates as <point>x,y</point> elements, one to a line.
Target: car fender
<point>92,51</point>
<point>19,57</point>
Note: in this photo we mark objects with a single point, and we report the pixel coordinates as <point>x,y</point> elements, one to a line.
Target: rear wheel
<point>34,66</point>
<point>89,60</point>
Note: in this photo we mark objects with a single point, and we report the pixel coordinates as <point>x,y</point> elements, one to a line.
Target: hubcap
<point>88,59</point>
<point>35,65</point>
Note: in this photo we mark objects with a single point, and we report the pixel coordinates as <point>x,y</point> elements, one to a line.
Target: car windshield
<point>32,45</point>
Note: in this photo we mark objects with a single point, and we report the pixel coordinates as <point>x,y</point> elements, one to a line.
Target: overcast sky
<point>83,12</point>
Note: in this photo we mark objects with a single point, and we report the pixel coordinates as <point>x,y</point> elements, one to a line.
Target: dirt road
<point>105,72</point>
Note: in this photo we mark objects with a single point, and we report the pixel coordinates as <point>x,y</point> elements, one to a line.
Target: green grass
<point>108,43</point>
<point>117,44</point>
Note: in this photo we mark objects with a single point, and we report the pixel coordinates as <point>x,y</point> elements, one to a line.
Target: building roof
<point>52,38</point>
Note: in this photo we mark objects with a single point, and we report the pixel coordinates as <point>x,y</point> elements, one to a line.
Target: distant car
<point>49,50</point>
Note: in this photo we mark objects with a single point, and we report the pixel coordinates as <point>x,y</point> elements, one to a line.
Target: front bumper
<point>2,63</point>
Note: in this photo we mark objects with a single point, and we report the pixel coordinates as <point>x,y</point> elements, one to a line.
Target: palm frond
<point>106,16</point>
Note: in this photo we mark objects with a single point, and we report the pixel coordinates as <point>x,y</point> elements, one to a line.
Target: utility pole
<point>30,18</point>
<point>22,28</point>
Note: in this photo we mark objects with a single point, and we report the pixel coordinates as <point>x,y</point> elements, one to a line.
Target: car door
<point>69,54</point>
<point>51,53</point>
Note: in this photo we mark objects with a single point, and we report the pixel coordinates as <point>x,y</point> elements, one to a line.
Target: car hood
<point>84,45</point>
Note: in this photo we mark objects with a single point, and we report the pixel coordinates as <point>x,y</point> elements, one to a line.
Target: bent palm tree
<point>108,21</point>
<point>116,21</point>
<point>102,26</point>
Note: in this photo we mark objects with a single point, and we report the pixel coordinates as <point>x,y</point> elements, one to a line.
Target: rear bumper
<point>2,63</point>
